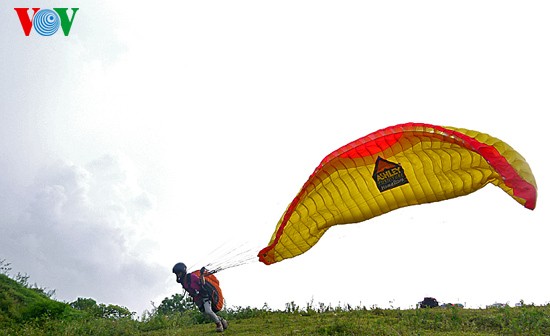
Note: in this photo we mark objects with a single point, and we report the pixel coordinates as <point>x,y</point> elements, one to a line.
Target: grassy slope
<point>450,322</point>
<point>19,303</point>
<point>25,311</point>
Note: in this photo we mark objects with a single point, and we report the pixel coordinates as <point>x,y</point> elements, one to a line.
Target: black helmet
<point>179,268</point>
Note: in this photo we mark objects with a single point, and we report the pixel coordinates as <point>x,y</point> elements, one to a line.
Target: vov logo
<point>46,22</point>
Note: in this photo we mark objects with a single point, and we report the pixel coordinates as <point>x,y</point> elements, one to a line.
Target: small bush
<point>43,309</point>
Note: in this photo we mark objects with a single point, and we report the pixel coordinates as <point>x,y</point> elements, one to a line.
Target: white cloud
<point>81,232</point>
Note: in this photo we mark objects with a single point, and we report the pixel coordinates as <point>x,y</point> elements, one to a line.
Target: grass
<point>454,321</point>
<point>527,320</point>
<point>30,312</point>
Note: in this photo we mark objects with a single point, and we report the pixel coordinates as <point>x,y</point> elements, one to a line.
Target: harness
<point>210,290</point>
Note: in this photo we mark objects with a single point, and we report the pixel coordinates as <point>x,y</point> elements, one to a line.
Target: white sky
<point>157,133</point>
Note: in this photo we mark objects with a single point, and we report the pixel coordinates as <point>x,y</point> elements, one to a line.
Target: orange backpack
<point>212,286</point>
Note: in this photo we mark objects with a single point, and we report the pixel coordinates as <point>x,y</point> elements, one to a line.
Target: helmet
<point>179,268</point>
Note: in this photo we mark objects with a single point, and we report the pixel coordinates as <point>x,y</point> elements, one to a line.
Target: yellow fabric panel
<point>435,172</point>
<point>399,166</point>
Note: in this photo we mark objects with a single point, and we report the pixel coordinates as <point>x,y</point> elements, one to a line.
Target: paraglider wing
<point>402,165</point>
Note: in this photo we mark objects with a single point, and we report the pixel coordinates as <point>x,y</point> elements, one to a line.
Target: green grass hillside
<point>381,322</point>
<point>29,311</point>
<point>19,304</point>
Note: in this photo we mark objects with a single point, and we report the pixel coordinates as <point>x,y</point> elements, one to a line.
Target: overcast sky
<point>180,131</point>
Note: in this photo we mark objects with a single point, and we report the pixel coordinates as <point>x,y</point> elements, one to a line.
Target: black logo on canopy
<point>388,175</point>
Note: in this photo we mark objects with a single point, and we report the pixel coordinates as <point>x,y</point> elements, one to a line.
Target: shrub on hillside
<point>101,310</point>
